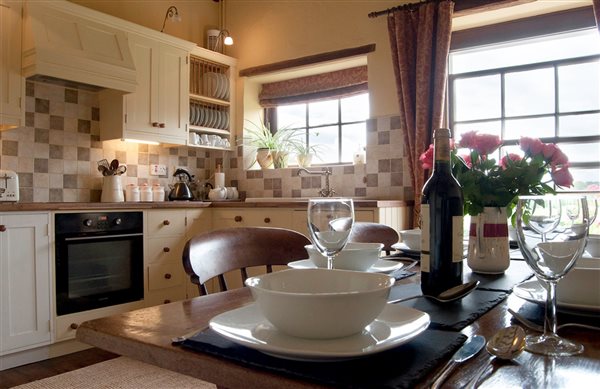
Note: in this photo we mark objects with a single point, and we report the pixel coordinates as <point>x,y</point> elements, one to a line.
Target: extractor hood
<point>71,44</point>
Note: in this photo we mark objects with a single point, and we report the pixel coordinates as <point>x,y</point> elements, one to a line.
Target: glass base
<point>553,345</point>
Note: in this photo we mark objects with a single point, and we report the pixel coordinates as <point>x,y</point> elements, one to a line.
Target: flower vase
<point>488,242</point>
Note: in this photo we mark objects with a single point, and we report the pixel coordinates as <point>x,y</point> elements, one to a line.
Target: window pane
<point>328,138</point>
<point>530,92</point>
<point>534,128</point>
<point>579,125</point>
<point>477,98</point>
<point>581,152</point>
<point>354,136</point>
<point>355,108</point>
<point>292,116</point>
<point>579,87</point>
<point>550,48</point>
<point>323,112</point>
<point>483,128</point>
<point>585,179</point>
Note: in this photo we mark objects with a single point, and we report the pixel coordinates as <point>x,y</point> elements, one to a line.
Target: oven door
<point>98,271</point>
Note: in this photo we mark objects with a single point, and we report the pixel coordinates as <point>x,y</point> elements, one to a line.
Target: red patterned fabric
<point>420,42</point>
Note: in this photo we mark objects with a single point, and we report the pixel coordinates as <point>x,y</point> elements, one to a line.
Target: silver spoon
<point>506,344</point>
<point>184,337</point>
<point>454,293</point>
<point>538,328</point>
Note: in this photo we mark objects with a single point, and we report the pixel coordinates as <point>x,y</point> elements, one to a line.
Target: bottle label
<point>457,238</point>
<point>425,238</point>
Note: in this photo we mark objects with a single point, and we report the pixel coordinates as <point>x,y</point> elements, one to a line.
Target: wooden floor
<point>50,367</point>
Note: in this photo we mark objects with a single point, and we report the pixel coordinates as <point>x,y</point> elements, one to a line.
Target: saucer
<point>534,292</point>
<point>381,266</point>
<point>247,326</point>
<point>405,249</point>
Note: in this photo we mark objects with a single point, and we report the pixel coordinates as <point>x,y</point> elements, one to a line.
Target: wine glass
<point>551,243</point>
<point>329,224</point>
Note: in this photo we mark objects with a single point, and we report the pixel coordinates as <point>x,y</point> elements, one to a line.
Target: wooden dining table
<point>146,334</point>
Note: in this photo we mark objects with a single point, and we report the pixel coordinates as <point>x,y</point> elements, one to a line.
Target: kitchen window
<point>337,127</point>
<point>546,87</point>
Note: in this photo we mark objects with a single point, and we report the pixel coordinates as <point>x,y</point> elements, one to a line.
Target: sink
<point>276,199</point>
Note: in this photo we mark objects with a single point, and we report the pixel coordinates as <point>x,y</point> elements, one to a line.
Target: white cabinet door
<point>24,281</point>
<point>11,82</point>
<point>173,94</point>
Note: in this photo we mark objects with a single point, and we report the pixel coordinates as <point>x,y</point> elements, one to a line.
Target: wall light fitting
<point>173,14</point>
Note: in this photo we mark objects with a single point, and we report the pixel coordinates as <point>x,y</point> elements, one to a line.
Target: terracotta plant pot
<point>264,157</point>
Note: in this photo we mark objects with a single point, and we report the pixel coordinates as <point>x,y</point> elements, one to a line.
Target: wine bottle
<point>441,222</point>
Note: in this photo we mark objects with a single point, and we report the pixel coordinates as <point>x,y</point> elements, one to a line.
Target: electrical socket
<point>158,170</point>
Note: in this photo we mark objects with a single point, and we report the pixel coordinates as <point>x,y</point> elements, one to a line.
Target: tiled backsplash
<point>56,157</point>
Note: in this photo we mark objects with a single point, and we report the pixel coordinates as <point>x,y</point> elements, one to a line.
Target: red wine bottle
<point>441,222</point>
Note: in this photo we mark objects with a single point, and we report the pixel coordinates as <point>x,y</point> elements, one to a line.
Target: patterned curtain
<point>597,13</point>
<point>420,42</point>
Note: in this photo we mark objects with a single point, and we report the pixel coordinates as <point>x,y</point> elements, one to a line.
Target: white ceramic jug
<point>112,190</point>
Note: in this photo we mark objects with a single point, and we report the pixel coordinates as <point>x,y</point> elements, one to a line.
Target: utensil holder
<point>112,190</point>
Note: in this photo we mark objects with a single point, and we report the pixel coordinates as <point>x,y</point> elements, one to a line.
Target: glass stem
<point>550,317</point>
<point>329,262</point>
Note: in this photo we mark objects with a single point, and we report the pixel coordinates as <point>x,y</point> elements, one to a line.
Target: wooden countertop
<point>22,207</point>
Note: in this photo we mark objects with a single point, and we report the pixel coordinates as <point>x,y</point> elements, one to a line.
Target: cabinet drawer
<point>223,218</point>
<point>164,223</point>
<point>165,249</point>
<point>165,275</point>
<point>165,296</point>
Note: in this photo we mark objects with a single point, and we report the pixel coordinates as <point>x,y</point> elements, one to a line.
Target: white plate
<point>534,292</point>
<point>381,266</point>
<point>404,248</point>
<point>247,326</point>
<point>200,118</point>
<point>209,84</point>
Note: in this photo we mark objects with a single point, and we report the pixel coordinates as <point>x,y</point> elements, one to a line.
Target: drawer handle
<point>166,249</point>
<point>2,228</point>
<point>162,125</point>
<point>166,301</point>
<point>168,276</point>
<point>154,124</point>
<point>237,219</point>
<point>74,326</point>
<point>166,222</point>
<point>267,220</point>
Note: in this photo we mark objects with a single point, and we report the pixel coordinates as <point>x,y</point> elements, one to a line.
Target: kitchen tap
<point>324,192</point>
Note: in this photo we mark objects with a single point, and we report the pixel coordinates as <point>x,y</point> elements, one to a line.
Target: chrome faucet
<point>324,192</point>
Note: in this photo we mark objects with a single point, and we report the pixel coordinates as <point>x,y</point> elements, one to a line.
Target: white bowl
<point>411,238</point>
<point>582,284</point>
<point>593,246</point>
<point>320,303</point>
<point>355,256</point>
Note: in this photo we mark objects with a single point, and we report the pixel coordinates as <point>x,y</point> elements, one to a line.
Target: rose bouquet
<point>486,183</point>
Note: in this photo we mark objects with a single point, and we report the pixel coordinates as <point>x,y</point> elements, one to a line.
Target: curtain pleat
<point>420,43</point>
<point>596,5</point>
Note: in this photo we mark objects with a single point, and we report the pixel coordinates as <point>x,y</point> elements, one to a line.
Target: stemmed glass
<point>551,243</point>
<point>330,222</point>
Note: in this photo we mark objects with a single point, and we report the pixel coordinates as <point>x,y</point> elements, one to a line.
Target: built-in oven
<point>99,260</point>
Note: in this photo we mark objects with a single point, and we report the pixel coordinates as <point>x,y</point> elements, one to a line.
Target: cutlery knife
<point>470,348</point>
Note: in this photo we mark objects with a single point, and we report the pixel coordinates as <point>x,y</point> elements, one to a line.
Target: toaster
<point>9,185</point>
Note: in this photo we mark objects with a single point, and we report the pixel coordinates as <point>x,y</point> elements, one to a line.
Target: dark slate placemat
<point>400,367</point>
<point>454,315</point>
<point>535,313</point>
<point>517,272</point>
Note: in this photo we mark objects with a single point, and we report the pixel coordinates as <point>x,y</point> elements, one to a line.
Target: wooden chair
<point>364,232</point>
<point>215,253</point>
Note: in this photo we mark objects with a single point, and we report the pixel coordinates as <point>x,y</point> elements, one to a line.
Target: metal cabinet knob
<point>237,219</point>
<point>166,249</point>
<point>74,326</point>
<point>162,125</point>
<point>166,301</point>
<point>166,222</point>
<point>154,124</point>
<point>168,276</point>
<point>2,228</point>
<point>267,220</point>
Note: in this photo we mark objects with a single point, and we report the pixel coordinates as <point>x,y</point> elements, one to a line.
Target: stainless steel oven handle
<point>102,237</point>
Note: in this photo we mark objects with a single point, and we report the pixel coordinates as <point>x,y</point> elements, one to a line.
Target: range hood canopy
<point>66,42</point>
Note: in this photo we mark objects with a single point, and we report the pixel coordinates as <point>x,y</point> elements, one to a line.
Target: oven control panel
<point>98,222</point>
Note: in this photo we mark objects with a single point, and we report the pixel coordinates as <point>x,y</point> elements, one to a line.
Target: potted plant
<point>306,153</point>
<point>272,148</point>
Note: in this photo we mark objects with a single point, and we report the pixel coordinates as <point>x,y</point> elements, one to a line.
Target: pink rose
<point>549,150</point>
<point>562,177</point>
<point>427,158</point>
<point>487,143</point>
<point>512,157</point>
<point>559,158</point>
<point>468,139</point>
<point>467,159</point>
<point>531,146</point>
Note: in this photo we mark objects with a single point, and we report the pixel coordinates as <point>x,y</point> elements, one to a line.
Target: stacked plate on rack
<point>208,117</point>
<point>215,85</point>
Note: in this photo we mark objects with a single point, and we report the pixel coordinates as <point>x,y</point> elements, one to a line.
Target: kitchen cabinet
<point>198,221</point>
<point>12,84</point>
<point>257,217</point>
<point>211,97</point>
<point>25,280</point>
<point>158,109</point>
